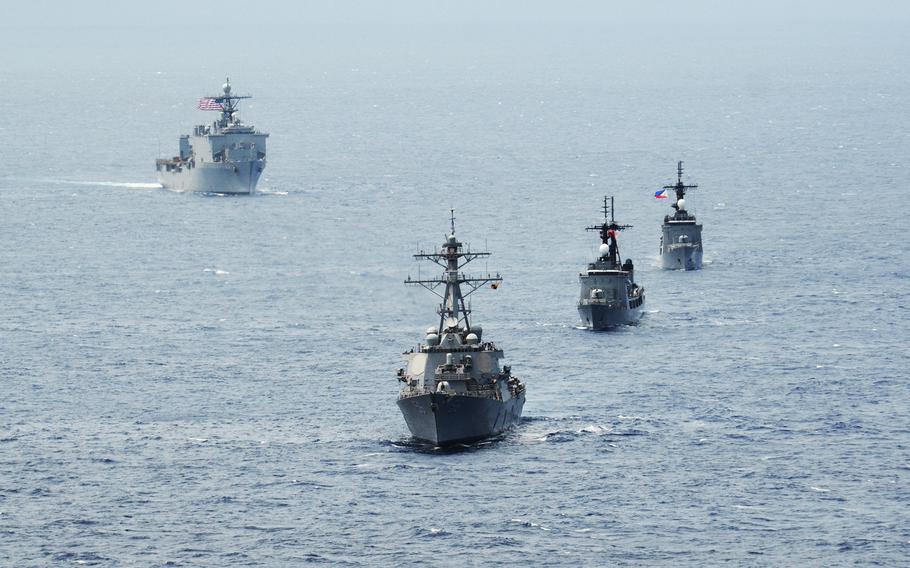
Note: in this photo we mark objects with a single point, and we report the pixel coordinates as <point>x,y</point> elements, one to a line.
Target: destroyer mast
<point>453,312</point>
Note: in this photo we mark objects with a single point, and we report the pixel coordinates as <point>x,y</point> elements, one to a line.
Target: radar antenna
<point>453,312</point>
<point>230,103</point>
<point>607,231</point>
<point>680,187</point>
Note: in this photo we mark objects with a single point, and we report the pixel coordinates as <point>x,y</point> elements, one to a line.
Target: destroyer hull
<point>443,419</point>
<point>682,257</point>
<point>238,178</point>
<point>599,318</point>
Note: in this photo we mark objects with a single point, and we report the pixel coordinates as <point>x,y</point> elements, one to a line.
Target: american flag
<point>209,104</point>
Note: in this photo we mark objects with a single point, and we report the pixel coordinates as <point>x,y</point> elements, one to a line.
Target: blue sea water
<point>205,381</point>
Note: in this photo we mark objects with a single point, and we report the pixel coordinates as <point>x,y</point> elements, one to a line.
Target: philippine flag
<point>662,194</point>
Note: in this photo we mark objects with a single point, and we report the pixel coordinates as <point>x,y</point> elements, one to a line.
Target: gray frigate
<point>455,389</point>
<point>224,157</point>
<point>680,241</point>
<point>609,295</point>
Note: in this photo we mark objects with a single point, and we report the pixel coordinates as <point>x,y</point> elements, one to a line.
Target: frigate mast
<point>453,313</point>
<point>608,231</point>
<point>680,187</point>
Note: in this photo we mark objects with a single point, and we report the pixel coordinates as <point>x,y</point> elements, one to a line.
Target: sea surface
<point>193,380</point>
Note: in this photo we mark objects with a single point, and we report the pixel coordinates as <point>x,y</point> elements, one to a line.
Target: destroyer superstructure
<point>225,157</point>
<point>680,241</point>
<point>455,389</point>
<point>609,295</point>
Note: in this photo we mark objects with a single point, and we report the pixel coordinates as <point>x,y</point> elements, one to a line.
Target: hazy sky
<point>41,35</point>
<point>165,13</point>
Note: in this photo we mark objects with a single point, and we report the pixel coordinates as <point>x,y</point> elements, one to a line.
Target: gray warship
<point>609,295</point>
<point>454,389</point>
<point>224,157</point>
<point>680,241</point>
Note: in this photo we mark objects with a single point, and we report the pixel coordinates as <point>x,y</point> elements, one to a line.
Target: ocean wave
<point>568,435</point>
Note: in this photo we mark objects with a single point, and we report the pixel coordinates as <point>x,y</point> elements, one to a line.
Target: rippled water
<point>194,380</point>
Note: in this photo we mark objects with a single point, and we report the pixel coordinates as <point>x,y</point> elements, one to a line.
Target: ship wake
<point>123,184</point>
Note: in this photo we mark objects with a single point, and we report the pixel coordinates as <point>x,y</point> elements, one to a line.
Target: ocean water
<point>205,381</point>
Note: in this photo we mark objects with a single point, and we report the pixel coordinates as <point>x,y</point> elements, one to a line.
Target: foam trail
<point>125,184</point>
<point>128,185</point>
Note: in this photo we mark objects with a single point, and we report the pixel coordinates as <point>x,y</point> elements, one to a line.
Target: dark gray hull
<point>680,245</point>
<point>600,318</point>
<point>682,258</point>
<point>450,419</point>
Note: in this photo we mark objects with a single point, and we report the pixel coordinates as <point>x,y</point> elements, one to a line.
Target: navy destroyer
<point>609,295</point>
<point>680,241</point>
<point>225,157</point>
<point>454,387</point>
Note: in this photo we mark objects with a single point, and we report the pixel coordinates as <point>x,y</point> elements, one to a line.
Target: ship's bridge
<point>682,216</point>
<point>238,128</point>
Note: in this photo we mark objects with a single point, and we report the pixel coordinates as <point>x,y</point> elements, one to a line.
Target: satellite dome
<point>604,249</point>
<point>471,339</point>
<point>681,204</point>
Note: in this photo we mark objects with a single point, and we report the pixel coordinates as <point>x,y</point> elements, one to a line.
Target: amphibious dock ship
<point>224,157</point>
<point>680,241</point>
<point>455,389</point>
<point>609,295</point>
